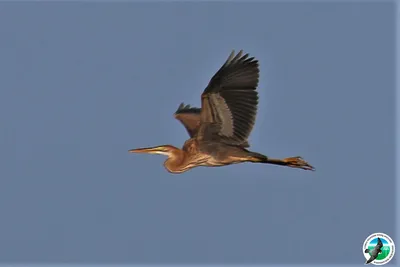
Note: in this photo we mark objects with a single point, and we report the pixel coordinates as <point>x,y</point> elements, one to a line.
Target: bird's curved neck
<point>175,161</point>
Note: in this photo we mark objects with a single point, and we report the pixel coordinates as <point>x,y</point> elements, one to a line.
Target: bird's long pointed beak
<point>148,150</point>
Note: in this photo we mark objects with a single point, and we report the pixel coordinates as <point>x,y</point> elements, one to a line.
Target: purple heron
<point>220,128</point>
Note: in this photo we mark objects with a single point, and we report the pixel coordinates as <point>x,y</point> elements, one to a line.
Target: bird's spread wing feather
<point>189,117</point>
<point>379,245</point>
<point>371,259</point>
<point>229,103</point>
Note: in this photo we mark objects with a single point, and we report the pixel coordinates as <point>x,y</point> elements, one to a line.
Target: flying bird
<point>220,128</point>
<point>374,252</point>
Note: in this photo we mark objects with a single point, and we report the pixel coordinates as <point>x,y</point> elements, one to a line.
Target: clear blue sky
<point>83,83</point>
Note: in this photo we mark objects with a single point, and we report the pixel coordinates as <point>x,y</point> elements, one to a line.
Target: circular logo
<point>378,249</point>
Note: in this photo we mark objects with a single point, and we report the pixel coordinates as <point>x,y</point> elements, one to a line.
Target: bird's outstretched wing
<point>379,245</point>
<point>229,103</point>
<point>189,117</point>
<point>371,259</point>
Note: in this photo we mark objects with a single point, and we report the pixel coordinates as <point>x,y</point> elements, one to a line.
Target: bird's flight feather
<point>229,103</point>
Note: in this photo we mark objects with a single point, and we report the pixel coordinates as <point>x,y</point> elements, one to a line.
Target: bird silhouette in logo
<point>374,252</point>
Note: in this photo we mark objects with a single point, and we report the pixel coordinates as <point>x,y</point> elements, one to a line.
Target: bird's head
<point>166,150</point>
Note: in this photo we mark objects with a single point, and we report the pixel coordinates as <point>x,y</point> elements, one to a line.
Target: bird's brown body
<point>220,129</point>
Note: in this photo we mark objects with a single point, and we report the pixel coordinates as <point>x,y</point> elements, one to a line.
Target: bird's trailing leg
<point>293,162</point>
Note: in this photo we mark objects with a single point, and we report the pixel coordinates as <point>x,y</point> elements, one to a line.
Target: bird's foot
<point>298,162</point>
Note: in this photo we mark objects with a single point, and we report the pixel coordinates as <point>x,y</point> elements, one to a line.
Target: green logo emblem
<point>378,249</point>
